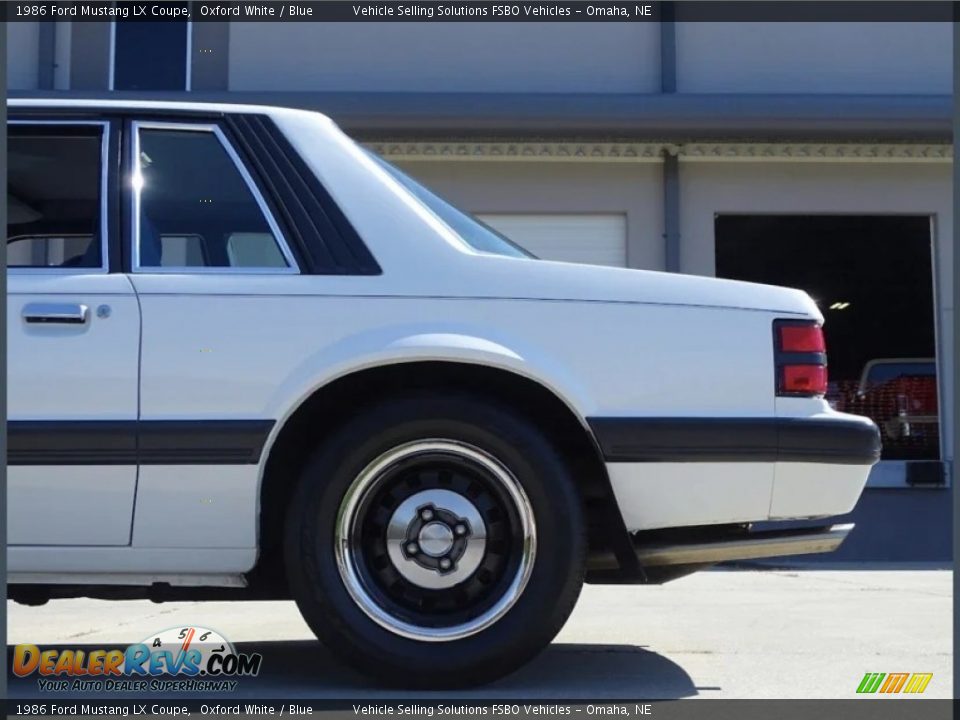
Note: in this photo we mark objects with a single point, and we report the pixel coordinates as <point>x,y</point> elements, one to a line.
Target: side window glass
<point>54,191</point>
<point>197,207</point>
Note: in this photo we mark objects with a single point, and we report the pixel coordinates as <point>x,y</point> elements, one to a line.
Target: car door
<point>211,269</point>
<point>73,332</point>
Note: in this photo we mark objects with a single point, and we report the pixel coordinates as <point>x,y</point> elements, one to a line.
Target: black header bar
<point>485,11</point>
<point>470,706</point>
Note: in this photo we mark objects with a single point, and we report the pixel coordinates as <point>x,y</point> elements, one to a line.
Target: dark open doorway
<point>872,277</point>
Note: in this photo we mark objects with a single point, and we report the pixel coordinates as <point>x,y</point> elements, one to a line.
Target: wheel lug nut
<point>412,548</point>
<point>427,514</point>
<point>445,563</point>
<point>460,529</point>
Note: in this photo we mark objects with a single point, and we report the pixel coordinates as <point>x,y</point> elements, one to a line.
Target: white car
<point>249,359</point>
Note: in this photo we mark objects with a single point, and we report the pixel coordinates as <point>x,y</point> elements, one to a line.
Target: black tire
<point>554,577</point>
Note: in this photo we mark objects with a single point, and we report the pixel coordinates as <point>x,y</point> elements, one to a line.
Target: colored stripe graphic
<point>894,682</point>
<point>918,683</point>
<point>870,682</point>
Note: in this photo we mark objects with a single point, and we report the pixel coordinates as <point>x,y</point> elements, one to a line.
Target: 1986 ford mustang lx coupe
<point>250,359</point>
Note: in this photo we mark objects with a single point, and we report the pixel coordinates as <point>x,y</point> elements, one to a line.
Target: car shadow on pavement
<point>305,669</point>
<point>561,671</point>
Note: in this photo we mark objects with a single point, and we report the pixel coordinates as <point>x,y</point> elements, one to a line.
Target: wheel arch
<point>332,403</point>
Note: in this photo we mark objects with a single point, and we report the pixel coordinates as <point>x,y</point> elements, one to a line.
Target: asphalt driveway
<point>724,633</point>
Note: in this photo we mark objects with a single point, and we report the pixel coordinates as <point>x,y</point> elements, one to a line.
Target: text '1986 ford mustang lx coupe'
<point>250,359</point>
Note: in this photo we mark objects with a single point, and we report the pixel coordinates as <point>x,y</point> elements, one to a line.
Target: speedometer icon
<point>178,641</point>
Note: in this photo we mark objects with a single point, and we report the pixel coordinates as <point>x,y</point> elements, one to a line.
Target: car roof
<point>172,106</point>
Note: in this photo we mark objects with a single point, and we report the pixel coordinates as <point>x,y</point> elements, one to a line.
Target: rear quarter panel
<point>256,355</point>
<point>256,347</point>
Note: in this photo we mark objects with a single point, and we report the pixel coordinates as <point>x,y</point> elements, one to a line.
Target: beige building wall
<point>494,187</point>
<point>841,57</point>
<point>23,51</point>
<point>453,57</point>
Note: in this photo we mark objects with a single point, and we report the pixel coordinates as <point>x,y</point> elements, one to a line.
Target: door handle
<point>63,313</point>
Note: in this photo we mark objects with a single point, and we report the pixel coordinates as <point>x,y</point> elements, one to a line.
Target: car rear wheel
<point>436,541</point>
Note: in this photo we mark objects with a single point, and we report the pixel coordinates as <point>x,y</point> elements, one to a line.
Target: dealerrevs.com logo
<point>174,660</point>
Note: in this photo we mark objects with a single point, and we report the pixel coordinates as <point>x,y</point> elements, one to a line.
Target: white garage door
<point>592,239</point>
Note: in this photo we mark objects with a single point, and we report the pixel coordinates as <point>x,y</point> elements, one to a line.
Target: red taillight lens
<point>804,379</point>
<point>802,339</point>
<point>801,358</point>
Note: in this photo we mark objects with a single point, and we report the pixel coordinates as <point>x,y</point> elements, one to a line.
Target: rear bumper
<point>680,472</point>
<point>844,440</point>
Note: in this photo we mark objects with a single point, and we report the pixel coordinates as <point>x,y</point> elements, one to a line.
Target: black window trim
<point>133,202</point>
<point>319,230</point>
<point>104,224</point>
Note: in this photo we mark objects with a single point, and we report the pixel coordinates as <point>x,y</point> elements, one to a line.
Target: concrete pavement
<point>721,633</point>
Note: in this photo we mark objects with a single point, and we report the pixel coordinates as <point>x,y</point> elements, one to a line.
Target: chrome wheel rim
<point>435,540</point>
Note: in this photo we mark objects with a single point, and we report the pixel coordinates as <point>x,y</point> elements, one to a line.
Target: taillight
<point>804,380</point>
<point>801,358</point>
<point>804,338</point>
